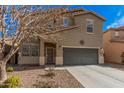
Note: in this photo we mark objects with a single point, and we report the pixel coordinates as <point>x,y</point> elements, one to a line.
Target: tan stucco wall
<point>59,55</point>
<point>28,60</point>
<point>112,50</point>
<point>116,51</point>
<point>106,45</point>
<point>121,34</point>
<point>41,58</point>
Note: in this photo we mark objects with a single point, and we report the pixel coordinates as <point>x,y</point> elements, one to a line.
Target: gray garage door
<point>80,56</point>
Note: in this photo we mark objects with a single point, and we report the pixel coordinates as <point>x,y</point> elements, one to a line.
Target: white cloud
<point>119,13</point>
<point>119,19</point>
<point>117,23</point>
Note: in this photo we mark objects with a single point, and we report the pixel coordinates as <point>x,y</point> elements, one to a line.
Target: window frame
<point>67,20</point>
<point>116,34</point>
<point>91,20</point>
<point>30,50</point>
<point>36,45</point>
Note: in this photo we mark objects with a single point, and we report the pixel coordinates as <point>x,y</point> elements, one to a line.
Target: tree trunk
<point>3,74</point>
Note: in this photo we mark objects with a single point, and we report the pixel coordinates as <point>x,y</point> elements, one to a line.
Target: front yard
<point>36,76</point>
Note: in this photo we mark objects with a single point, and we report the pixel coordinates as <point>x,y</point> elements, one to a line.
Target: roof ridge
<point>74,10</point>
<point>118,28</point>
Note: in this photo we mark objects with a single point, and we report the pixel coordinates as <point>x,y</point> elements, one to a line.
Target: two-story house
<point>80,45</point>
<point>113,41</point>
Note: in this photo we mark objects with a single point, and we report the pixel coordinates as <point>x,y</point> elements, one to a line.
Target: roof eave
<point>86,12</point>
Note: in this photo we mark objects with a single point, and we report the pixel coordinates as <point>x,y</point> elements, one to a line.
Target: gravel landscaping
<point>35,76</point>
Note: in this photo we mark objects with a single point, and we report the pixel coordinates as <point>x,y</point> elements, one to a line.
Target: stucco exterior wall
<point>59,55</point>
<point>116,51</point>
<point>42,56</point>
<point>120,33</point>
<point>106,45</point>
<point>113,50</point>
<point>28,60</point>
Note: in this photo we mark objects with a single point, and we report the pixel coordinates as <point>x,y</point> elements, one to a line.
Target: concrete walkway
<point>95,76</point>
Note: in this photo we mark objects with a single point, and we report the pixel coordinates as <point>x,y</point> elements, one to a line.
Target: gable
<point>92,14</point>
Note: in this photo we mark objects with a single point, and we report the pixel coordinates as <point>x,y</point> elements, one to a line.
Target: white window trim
<point>87,25</point>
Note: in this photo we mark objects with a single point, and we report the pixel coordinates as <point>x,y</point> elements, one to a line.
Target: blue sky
<point>114,14</point>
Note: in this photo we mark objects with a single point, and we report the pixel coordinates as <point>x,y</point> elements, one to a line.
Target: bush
<point>3,86</point>
<point>50,72</point>
<point>9,69</point>
<point>13,82</point>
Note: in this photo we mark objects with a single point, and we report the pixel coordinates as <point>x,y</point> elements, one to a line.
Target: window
<point>90,26</point>
<point>116,34</point>
<point>34,50</point>
<point>66,22</point>
<point>25,50</point>
<point>30,50</point>
<point>50,27</point>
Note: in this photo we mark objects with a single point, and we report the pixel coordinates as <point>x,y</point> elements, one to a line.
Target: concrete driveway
<point>96,76</point>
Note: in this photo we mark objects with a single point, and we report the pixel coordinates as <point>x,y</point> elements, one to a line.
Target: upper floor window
<point>50,27</point>
<point>116,34</point>
<point>90,26</point>
<point>66,22</point>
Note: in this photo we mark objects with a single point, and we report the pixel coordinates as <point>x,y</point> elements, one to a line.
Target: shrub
<point>13,82</point>
<point>10,69</point>
<point>3,86</point>
<point>50,72</point>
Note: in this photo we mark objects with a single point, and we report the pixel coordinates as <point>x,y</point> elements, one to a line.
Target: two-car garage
<point>80,56</point>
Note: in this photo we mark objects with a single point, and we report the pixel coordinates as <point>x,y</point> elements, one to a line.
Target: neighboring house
<point>80,45</point>
<point>114,45</point>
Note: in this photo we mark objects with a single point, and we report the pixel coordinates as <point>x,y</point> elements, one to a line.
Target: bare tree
<point>25,22</point>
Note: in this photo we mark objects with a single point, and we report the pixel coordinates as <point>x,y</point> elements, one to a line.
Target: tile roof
<point>121,28</point>
<point>74,11</point>
<point>119,40</point>
<point>77,12</point>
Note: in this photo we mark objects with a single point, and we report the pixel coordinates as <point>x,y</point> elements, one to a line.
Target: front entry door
<point>50,55</point>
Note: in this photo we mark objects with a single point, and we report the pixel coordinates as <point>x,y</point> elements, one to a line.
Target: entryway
<point>50,53</point>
